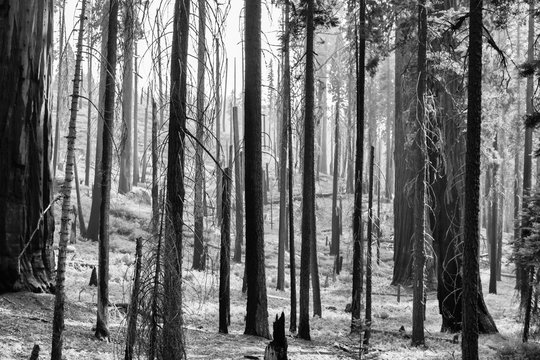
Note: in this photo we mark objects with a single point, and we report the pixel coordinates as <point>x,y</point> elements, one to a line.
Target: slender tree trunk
<point>59,91</point>
<point>145,139</point>
<point>420,149</point>
<point>286,89</point>
<point>126,149</point>
<point>388,173</point>
<point>367,334</point>
<point>360,51</point>
<point>173,333</point>
<point>517,162</point>
<point>308,202</point>
<point>198,246</point>
<point>82,224</point>
<point>256,311</point>
<point>135,120</point>
<point>224,263</point>
<point>292,252</point>
<point>155,187</point>
<point>239,194</point>
<point>102,327</point>
<point>218,135</point>
<point>334,249</point>
<point>131,332</point>
<point>493,228</point>
<point>60,296</point>
<point>469,343</point>
<point>88,154</point>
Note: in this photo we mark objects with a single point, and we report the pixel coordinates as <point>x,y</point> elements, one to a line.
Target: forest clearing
<point>284,179</point>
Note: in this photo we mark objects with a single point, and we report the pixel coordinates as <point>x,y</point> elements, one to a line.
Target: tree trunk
<point>198,245</point>
<point>218,136</point>
<point>256,312</point>
<point>469,343</point>
<point>60,296</point>
<point>517,162</point>
<point>155,170</point>
<point>239,239</point>
<point>360,52</point>
<point>292,251</point>
<point>334,249</point>
<point>173,333</point>
<point>421,160</point>
<point>93,221</point>
<point>369,249</point>
<point>59,89</point>
<point>389,160</point>
<point>225,257</point>
<point>126,148</point>
<point>492,240</point>
<point>80,213</point>
<point>145,138</point>
<point>131,332</point>
<point>135,120</point>
<point>88,154</point>
<point>102,327</point>
<point>522,272</point>
<point>285,96</point>
<point>27,226</point>
<point>308,202</point>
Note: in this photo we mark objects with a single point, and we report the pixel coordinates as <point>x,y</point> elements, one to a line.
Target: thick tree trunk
<point>27,226</point>
<point>173,346</point>
<point>93,221</point>
<point>421,160</point>
<point>469,344</point>
<point>198,213</point>
<point>126,149</point>
<point>102,327</point>
<point>360,52</point>
<point>60,296</point>
<point>256,311</point>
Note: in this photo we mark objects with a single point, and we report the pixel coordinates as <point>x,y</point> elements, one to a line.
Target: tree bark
<point>360,52</point>
<point>126,148</point>
<point>421,160</point>
<point>334,249</point>
<point>367,334</point>
<point>59,89</point>
<point>27,226</point>
<point>225,257</point>
<point>102,327</point>
<point>135,119</point>
<point>198,213</point>
<point>469,343</point>
<point>60,296</point>
<point>131,332</point>
<point>239,197</point>
<point>256,311</point>
<point>173,334</point>
<point>155,186</point>
<point>88,154</point>
<point>145,138</point>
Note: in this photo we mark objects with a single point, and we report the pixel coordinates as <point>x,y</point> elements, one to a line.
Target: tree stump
<point>277,349</point>
<point>35,353</point>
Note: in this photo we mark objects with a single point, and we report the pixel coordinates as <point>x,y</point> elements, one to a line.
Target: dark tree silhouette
<point>257,312</point>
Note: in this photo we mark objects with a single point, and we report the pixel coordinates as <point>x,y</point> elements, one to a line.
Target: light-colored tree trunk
<point>136,176</point>
<point>60,295</point>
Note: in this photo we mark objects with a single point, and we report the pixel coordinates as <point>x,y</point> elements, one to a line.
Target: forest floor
<point>26,319</point>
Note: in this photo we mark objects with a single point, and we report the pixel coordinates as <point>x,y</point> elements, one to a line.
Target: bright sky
<point>233,34</point>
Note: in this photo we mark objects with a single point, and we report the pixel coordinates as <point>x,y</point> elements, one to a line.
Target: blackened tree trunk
<point>369,244</point>
<point>124,179</point>
<point>256,312</point>
<point>93,221</point>
<point>334,249</point>
<point>360,44</point>
<point>155,187</point>
<point>292,251</point>
<point>60,296</point>
<point>102,327</point>
<point>308,202</point>
<point>173,346</point>
<point>285,96</point>
<point>421,160</point>
<point>131,332</point>
<point>471,272</point>
<point>198,211</point>
<point>493,242</point>
<point>523,273</point>
<point>225,257</point>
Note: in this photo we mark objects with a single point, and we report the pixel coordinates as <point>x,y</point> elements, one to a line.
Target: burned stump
<point>277,349</point>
